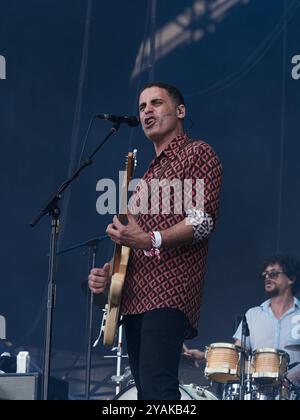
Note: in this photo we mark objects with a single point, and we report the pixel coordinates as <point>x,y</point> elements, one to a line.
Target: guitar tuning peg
<point>134,157</point>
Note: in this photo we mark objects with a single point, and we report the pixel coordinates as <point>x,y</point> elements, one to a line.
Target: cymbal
<point>293,347</point>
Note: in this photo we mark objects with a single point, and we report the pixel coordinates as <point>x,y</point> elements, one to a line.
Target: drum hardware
<point>245,334</point>
<point>293,347</point>
<point>119,356</point>
<point>126,379</point>
<point>294,365</point>
<point>188,392</point>
<point>118,378</point>
<point>247,383</point>
<point>294,390</point>
<point>197,392</point>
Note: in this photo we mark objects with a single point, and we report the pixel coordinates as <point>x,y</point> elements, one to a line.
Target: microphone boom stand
<point>93,245</point>
<point>52,209</point>
<point>93,248</point>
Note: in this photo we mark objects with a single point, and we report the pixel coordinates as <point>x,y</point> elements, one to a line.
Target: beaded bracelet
<point>156,241</point>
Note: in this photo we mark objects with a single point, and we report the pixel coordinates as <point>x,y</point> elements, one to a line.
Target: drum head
<point>269,350</point>
<point>222,346</point>
<point>129,393</point>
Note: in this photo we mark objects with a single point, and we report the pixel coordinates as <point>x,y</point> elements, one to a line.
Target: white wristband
<point>158,239</point>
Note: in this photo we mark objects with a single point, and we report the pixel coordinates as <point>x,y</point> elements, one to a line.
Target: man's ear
<point>292,280</point>
<point>181,111</point>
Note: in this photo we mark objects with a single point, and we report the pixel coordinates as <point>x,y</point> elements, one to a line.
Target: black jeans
<point>154,344</point>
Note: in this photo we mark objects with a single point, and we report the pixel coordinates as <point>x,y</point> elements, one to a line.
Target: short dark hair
<point>289,265</point>
<point>173,92</point>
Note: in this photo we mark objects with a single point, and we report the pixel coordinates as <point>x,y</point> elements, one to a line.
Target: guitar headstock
<point>131,164</point>
<point>134,157</point>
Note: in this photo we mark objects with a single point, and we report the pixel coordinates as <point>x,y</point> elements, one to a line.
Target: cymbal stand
<point>245,334</point>
<point>118,378</point>
<point>248,381</point>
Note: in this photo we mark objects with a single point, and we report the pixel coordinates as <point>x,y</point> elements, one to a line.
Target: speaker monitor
<point>27,386</point>
<point>19,386</point>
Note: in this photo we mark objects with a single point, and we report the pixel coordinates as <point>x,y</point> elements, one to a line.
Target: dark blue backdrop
<point>232,60</point>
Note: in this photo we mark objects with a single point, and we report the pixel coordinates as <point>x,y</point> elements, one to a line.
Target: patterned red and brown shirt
<point>176,280</point>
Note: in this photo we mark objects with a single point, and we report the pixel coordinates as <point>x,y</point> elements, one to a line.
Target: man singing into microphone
<point>164,282</point>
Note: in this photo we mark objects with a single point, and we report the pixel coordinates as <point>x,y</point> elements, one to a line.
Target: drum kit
<point>239,375</point>
<point>265,373</point>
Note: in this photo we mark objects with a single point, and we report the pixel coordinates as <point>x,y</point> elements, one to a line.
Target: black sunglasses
<point>271,274</point>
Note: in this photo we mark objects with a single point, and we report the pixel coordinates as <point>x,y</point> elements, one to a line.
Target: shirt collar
<point>266,305</point>
<point>174,146</point>
<point>297,303</point>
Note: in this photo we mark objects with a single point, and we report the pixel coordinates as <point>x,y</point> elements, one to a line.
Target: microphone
<point>245,327</point>
<point>131,121</point>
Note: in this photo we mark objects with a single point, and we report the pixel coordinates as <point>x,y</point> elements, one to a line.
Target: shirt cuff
<point>202,223</point>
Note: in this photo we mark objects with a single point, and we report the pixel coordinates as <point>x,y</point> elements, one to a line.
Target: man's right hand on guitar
<point>99,279</point>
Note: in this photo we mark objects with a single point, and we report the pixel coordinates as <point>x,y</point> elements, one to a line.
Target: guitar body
<point>121,258</point>
<point>114,299</point>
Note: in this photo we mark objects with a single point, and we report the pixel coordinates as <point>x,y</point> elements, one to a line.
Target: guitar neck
<point>130,165</point>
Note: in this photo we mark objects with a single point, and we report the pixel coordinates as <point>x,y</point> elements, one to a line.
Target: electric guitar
<point>120,261</point>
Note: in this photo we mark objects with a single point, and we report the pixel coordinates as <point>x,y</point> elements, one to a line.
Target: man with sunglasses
<point>276,322</point>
